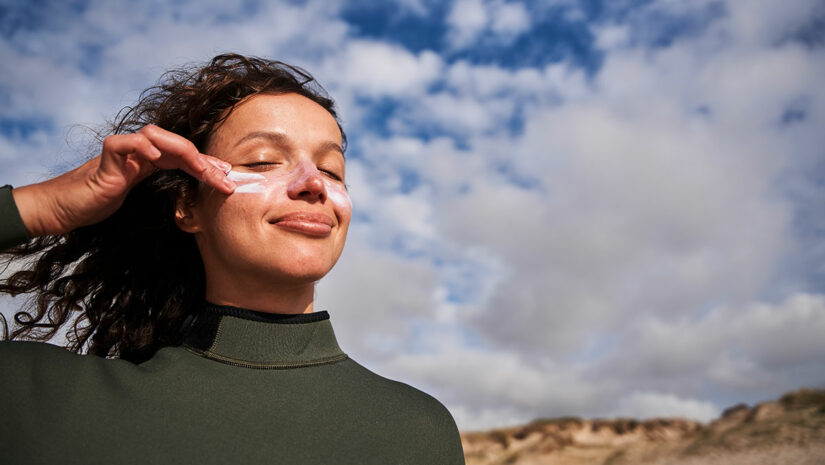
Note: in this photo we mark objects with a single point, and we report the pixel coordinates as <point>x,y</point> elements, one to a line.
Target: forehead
<point>301,121</point>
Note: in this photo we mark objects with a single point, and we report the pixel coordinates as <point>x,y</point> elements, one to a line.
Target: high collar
<point>247,338</point>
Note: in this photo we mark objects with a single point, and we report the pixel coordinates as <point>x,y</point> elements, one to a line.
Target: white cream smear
<point>247,183</point>
<point>255,183</point>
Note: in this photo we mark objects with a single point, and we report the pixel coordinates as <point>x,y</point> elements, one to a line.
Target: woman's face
<point>288,217</point>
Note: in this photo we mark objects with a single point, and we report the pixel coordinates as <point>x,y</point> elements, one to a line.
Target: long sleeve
<point>12,230</point>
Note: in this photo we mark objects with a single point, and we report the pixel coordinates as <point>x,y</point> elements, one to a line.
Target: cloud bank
<point>561,208</point>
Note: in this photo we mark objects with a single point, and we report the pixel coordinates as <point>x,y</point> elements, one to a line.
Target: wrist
<point>30,206</point>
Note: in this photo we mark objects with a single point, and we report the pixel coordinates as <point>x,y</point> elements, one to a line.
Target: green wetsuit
<point>245,387</point>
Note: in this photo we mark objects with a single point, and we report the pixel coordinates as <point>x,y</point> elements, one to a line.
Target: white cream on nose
<point>257,183</point>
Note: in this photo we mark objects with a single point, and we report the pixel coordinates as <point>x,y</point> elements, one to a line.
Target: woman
<point>190,277</point>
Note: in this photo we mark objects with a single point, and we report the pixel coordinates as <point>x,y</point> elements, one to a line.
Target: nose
<point>307,184</point>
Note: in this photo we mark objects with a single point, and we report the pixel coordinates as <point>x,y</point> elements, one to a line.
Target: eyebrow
<point>281,139</point>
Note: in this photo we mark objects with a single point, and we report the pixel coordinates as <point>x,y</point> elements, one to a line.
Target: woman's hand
<point>93,191</point>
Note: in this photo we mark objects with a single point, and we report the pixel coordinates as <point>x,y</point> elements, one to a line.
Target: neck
<point>286,298</point>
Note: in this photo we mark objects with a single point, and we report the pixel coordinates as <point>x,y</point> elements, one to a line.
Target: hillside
<point>789,430</point>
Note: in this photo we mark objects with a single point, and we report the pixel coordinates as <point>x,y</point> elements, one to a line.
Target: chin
<point>307,264</point>
<point>300,265</point>
<point>301,272</point>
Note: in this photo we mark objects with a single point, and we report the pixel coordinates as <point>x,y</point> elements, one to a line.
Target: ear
<point>185,217</point>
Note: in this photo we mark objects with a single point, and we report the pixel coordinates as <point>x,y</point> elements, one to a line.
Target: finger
<point>218,163</point>
<point>216,177</point>
<point>114,157</point>
<point>181,153</point>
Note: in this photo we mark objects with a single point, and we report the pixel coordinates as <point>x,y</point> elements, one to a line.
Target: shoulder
<point>404,395</point>
<point>418,416</point>
<point>27,361</point>
<point>44,376</point>
<point>31,373</point>
<point>20,354</point>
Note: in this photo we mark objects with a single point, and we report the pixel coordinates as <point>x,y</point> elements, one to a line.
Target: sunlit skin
<point>265,248</point>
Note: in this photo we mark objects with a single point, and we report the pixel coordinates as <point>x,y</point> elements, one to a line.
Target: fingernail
<point>219,164</point>
<point>226,167</point>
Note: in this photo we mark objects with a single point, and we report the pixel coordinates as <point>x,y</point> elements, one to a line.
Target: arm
<point>93,191</point>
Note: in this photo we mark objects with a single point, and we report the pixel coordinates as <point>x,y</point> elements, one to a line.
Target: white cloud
<point>570,243</point>
<point>655,197</point>
<point>373,295</point>
<point>763,22</point>
<point>542,87</point>
<point>510,19</point>
<point>467,20</point>
<point>470,20</point>
<point>416,7</point>
<point>611,37</point>
<point>751,347</point>
<point>455,114</point>
<point>376,69</point>
<point>486,388</point>
<point>654,404</point>
<point>48,81</point>
<point>623,223</point>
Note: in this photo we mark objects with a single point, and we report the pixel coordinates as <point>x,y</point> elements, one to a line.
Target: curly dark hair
<point>128,283</point>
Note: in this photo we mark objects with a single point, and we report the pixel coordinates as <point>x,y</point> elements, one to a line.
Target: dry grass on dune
<point>790,430</point>
<point>773,455</point>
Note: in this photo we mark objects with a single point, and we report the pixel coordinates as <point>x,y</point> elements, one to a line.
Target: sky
<point>562,207</point>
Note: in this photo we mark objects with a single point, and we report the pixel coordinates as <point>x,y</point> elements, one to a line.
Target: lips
<point>310,224</point>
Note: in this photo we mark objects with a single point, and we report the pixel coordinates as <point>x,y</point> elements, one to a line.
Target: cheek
<point>253,193</point>
<point>337,194</point>
<point>259,186</point>
<point>248,183</point>
<point>256,189</point>
<point>269,188</point>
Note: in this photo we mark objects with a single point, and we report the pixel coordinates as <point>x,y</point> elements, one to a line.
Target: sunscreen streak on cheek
<point>254,183</point>
<point>338,195</point>
<point>248,183</point>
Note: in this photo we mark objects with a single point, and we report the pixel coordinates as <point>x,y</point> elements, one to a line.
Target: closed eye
<point>332,175</point>
<point>260,165</point>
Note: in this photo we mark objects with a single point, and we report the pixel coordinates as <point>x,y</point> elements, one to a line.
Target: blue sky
<point>561,208</point>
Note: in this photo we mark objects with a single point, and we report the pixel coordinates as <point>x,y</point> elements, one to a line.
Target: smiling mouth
<point>309,224</point>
